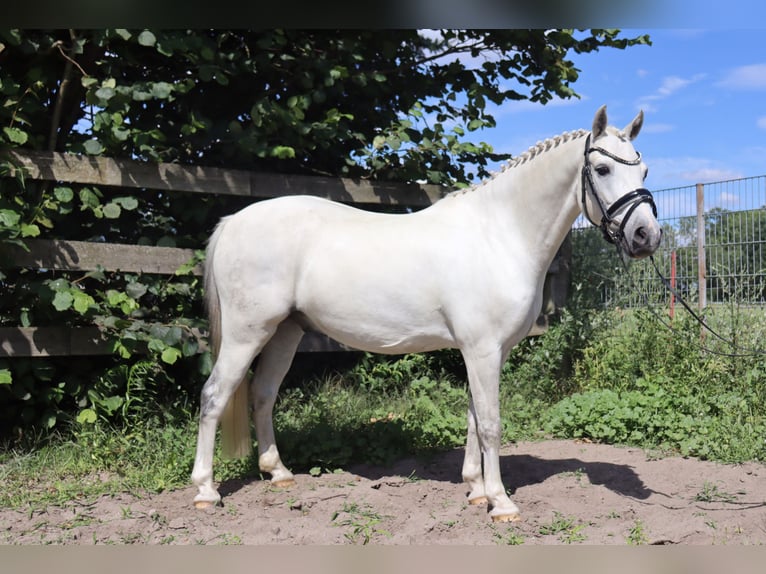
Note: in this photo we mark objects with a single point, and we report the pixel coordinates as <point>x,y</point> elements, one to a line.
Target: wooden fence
<point>85,256</point>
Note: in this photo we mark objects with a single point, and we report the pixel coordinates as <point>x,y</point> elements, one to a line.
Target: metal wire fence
<point>713,250</point>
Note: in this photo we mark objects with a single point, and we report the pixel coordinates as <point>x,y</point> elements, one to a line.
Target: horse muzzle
<point>644,240</point>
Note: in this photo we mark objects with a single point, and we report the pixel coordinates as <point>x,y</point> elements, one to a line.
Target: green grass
<point>360,522</point>
<point>569,530</point>
<point>101,462</point>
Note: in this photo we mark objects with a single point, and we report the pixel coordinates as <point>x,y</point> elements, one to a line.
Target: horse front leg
<point>472,474</point>
<point>483,367</point>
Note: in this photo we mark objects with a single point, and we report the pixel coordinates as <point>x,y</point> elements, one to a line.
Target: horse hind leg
<point>231,367</point>
<point>273,364</point>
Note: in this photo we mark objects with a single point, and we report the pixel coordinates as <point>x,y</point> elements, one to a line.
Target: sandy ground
<point>569,492</point>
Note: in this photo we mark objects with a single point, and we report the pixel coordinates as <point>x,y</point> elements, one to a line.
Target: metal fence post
<point>701,268</point>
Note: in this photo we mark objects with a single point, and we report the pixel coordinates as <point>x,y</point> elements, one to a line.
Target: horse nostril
<point>641,233</point>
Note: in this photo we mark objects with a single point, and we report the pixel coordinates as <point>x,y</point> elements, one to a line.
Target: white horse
<point>466,273</point>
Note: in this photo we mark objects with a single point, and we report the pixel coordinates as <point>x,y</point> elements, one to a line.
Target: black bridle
<point>632,199</point>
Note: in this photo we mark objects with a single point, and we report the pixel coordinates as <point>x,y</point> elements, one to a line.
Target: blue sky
<point>703,93</point>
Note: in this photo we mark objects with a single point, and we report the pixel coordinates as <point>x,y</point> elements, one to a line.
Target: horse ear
<point>634,127</point>
<point>599,122</point>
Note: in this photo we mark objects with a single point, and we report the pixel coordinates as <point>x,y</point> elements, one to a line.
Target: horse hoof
<point>511,517</point>
<point>478,501</point>
<point>285,483</point>
<point>203,504</point>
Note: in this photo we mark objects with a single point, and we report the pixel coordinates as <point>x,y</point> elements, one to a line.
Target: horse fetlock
<point>506,511</point>
<point>269,462</point>
<point>477,496</point>
<point>207,498</point>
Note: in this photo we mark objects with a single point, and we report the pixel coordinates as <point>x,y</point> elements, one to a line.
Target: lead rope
<point>695,315</point>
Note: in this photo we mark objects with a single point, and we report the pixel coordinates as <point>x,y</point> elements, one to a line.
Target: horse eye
<point>602,170</point>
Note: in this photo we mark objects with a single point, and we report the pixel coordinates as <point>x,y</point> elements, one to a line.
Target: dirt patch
<point>568,492</point>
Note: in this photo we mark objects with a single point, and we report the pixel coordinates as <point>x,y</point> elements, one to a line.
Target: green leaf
<point>63,194</point>
<point>112,211</point>
<point>156,345</point>
<point>87,416</point>
<point>173,336</point>
<point>170,355</point>
<point>114,297</point>
<point>30,230</point>
<point>128,203</point>
<point>111,404</point>
<point>63,300</point>
<point>5,377</point>
<point>135,289</point>
<point>93,147</point>
<point>190,347</point>
<point>89,199</point>
<point>474,125</point>
<point>15,135</point>
<point>9,218</point>
<point>162,90</point>
<point>283,152</point>
<point>105,93</point>
<point>82,302</point>
<point>146,38</point>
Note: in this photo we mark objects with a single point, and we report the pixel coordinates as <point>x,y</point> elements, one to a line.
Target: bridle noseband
<point>632,199</point>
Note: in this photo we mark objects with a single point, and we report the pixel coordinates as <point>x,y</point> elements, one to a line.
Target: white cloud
<point>728,199</point>
<point>709,174</point>
<point>657,128</point>
<point>752,77</point>
<point>670,85</point>
<point>671,172</point>
<point>761,122</point>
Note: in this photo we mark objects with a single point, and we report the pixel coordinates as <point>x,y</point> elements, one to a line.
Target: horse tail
<point>235,421</point>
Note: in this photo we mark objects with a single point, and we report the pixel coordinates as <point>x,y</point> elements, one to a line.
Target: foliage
<point>384,104</point>
<point>642,384</point>
<point>348,424</point>
<point>541,367</point>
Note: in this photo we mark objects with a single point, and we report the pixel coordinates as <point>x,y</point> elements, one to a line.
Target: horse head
<point>613,194</point>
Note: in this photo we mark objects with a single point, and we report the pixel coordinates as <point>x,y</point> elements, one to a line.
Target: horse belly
<point>371,299</point>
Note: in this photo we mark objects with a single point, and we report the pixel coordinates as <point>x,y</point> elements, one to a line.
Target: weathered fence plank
<point>85,341</point>
<point>54,166</point>
<point>87,256</point>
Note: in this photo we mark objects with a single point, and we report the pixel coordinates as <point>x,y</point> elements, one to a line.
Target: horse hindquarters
<point>242,321</point>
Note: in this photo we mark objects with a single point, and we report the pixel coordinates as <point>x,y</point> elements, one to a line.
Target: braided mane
<point>530,154</point>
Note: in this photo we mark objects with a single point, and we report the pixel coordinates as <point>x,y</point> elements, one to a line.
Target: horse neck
<point>536,196</point>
